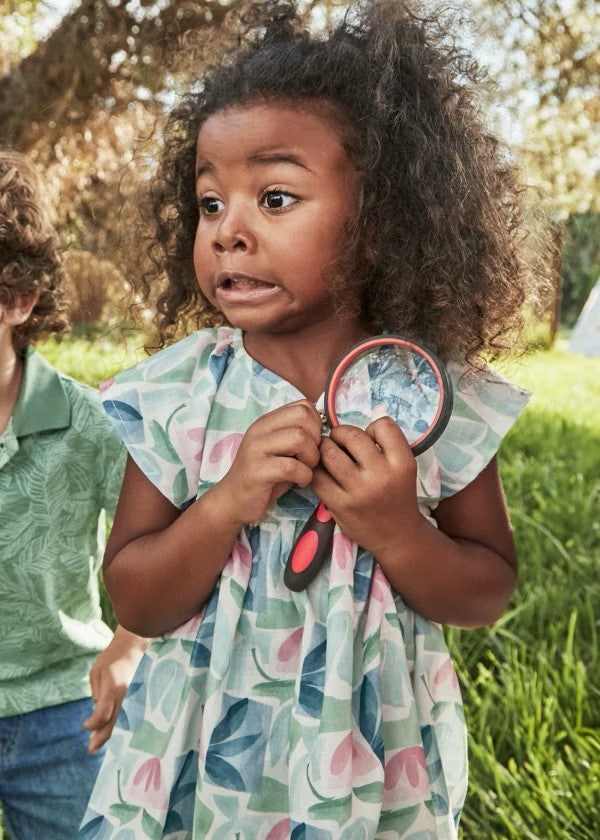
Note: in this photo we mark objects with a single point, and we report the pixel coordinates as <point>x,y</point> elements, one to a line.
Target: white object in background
<point>585,337</point>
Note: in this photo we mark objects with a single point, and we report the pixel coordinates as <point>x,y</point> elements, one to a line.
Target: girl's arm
<point>161,565</point>
<point>461,573</point>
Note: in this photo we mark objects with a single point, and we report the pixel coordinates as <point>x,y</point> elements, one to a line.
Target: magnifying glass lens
<point>397,381</point>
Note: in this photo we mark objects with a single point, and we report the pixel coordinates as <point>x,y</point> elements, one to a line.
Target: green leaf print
<point>271,797</point>
<point>180,488</point>
<point>398,821</point>
<point>372,792</point>
<point>334,809</point>
<point>162,444</point>
<point>124,813</point>
<point>151,826</point>
<point>282,689</point>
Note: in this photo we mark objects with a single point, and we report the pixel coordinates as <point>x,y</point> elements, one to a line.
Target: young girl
<point>314,191</point>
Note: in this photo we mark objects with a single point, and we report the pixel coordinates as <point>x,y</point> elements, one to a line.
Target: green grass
<point>531,682</point>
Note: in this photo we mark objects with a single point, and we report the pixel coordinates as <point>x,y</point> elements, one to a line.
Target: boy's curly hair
<point>30,260</point>
<point>438,216</point>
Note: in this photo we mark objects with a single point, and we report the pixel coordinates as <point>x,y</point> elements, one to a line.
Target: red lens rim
<point>362,347</point>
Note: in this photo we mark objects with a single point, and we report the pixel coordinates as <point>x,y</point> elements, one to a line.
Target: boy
<point>60,465</point>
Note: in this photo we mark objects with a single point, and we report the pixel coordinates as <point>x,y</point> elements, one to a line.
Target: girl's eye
<point>209,205</point>
<point>277,199</point>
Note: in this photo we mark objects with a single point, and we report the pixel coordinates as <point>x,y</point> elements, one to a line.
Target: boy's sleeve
<point>111,467</point>
<point>485,407</point>
<point>160,409</point>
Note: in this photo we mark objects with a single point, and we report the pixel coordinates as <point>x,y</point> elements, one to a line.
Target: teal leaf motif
<point>235,746</point>
<point>121,410</point>
<point>231,722</point>
<point>222,773</point>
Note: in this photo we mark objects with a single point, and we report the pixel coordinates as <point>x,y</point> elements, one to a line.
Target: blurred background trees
<point>84,87</point>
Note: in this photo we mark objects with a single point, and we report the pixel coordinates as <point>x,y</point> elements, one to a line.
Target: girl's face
<point>275,188</point>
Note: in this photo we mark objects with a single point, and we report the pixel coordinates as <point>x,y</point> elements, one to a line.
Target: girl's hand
<point>279,450</point>
<point>367,479</point>
<point>110,676</point>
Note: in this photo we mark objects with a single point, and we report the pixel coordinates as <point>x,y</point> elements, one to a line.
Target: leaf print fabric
<point>328,714</point>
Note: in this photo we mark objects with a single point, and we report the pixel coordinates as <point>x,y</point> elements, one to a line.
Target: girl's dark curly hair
<point>30,261</point>
<point>438,213</point>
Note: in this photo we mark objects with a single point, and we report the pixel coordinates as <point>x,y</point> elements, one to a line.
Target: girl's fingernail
<point>378,411</point>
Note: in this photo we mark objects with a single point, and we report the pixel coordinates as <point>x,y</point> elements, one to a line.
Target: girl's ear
<point>20,311</point>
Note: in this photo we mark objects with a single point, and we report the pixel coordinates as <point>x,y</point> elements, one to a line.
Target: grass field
<point>531,682</point>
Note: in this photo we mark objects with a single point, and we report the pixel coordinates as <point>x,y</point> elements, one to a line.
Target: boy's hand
<point>110,676</point>
<point>367,479</point>
<point>279,450</point>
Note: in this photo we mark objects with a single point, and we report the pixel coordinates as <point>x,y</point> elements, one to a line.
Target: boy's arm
<point>110,676</point>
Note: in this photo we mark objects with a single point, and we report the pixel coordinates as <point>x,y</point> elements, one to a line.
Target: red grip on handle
<point>304,552</point>
<point>312,548</point>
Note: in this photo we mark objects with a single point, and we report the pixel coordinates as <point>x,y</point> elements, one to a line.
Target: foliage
<point>580,264</point>
<point>549,80</point>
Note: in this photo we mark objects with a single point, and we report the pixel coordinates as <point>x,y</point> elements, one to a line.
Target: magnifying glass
<point>384,375</point>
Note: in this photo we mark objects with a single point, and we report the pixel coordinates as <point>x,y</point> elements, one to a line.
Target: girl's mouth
<point>240,288</point>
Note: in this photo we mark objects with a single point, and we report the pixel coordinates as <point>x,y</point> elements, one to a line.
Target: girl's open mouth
<point>242,289</point>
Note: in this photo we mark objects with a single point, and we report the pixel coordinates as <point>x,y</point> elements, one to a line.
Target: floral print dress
<point>328,714</point>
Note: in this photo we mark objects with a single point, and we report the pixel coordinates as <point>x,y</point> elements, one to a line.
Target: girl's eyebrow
<point>260,159</point>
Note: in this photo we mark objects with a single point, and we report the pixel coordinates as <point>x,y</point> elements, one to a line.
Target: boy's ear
<point>20,311</point>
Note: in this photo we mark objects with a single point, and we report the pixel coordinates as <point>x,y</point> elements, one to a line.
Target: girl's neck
<point>11,375</point>
<point>305,358</point>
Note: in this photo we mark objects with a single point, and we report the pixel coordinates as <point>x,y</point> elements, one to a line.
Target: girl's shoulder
<point>160,408</point>
<point>485,406</point>
<point>180,363</point>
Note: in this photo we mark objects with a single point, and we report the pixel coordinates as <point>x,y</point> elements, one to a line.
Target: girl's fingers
<point>302,415</point>
<point>390,439</point>
<point>293,442</point>
<point>282,470</point>
<point>326,487</point>
<point>338,463</point>
<point>357,444</point>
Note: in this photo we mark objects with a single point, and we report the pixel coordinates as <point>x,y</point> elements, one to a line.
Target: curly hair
<point>30,259</point>
<point>439,209</point>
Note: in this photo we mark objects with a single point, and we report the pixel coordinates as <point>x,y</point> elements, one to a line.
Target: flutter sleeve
<point>485,407</point>
<point>160,409</point>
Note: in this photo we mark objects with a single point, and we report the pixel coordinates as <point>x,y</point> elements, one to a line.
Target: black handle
<point>310,550</point>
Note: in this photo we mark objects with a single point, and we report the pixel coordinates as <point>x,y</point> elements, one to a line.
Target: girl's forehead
<point>247,132</point>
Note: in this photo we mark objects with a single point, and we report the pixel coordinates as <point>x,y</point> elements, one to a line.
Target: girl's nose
<point>233,235</point>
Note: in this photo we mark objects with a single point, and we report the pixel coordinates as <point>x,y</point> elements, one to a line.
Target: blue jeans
<point>46,775</point>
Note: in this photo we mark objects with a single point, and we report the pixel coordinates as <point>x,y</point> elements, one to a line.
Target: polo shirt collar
<point>43,403</point>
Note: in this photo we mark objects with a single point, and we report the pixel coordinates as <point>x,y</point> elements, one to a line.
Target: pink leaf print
<point>104,386</point>
<point>150,772</point>
<point>342,551</point>
<point>280,831</point>
<point>223,446</point>
<point>290,646</point>
<point>363,759</point>
<point>380,586</point>
<point>227,338</point>
<point>197,435</point>
<point>444,672</point>
<point>240,553</point>
<point>341,756</point>
<point>410,761</point>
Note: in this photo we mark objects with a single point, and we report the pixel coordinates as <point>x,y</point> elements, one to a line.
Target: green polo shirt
<point>61,465</point>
